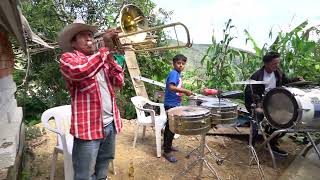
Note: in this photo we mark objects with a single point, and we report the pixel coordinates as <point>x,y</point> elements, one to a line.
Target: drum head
<point>280,108</point>
<point>198,99</point>
<point>188,111</point>
<point>222,104</point>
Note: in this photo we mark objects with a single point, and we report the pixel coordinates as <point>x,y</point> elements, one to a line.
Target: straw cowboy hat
<point>68,32</point>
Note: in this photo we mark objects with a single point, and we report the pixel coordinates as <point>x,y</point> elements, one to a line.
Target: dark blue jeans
<point>167,135</point>
<point>91,158</point>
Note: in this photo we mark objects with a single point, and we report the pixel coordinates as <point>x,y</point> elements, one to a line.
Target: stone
<point>11,130</point>
<point>8,103</point>
<point>301,168</point>
<point>9,143</point>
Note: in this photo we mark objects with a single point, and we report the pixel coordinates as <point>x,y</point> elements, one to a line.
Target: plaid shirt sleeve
<point>116,74</point>
<point>77,68</point>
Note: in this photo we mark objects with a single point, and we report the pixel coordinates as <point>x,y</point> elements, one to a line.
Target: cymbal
<point>250,81</point>
<point>299,83</point>
<point>231,94</point>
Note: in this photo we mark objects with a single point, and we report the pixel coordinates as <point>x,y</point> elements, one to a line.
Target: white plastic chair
<point>62,117</point>
<point>158,122</point>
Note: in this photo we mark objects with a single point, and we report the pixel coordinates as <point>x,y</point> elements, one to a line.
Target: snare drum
<point>222,113</point>
<point>286,107</point>
<point>189,120</point>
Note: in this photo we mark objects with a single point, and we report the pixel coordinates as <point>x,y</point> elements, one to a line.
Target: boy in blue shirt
<point>173,93</point>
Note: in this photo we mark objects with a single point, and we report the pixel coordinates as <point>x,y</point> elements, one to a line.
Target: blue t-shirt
<point>172,98</point>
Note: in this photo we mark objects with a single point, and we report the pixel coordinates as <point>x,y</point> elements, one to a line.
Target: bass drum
<point>286,107</point>
<point>189,120</point>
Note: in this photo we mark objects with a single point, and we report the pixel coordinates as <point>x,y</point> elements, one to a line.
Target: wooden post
<point>134,71</point>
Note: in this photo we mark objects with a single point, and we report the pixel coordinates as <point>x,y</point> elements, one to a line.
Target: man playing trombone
<point>91,77</point>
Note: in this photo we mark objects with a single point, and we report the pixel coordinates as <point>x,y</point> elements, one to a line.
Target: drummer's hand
<point>188,93</point>
<point>204,92</point>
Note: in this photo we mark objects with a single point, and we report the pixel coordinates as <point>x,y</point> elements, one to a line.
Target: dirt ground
<point>147,166</point>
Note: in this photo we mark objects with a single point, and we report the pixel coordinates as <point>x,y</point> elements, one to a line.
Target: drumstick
<point>211,91</point>
<point>208,92</point>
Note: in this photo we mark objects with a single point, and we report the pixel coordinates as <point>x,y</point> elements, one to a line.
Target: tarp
<point>12,21</point>
<point>34,38</point>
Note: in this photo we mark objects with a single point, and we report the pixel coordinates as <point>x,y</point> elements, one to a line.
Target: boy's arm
<point>174,88</point>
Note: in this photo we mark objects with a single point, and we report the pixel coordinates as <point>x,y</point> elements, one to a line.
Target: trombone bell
<point>133,20</point>
<point>137,36</point>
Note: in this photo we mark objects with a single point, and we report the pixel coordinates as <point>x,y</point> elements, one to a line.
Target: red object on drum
<point>210,91</point>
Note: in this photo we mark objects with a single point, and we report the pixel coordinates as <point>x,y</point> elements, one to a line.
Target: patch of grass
<point>32,120</point>
<point>33,132</point>
<point>301,138</point>
<point>25,175</point>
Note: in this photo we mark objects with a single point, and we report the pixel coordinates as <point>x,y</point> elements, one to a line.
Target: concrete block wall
<point>11,130</point>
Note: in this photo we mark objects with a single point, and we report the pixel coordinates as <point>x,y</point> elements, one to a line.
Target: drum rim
<point>230,105</point>
<point>193,116</point>
<point>294,118</point>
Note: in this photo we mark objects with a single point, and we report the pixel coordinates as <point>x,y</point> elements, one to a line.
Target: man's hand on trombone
<point>110,38</point>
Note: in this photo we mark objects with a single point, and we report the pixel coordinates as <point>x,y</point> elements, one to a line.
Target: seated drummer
<point>269,72</point>
<point>173,92</point>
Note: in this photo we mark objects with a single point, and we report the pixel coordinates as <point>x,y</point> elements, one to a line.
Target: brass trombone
<point>137,36</point>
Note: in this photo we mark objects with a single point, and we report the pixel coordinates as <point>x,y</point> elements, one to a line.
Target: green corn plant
<point>219,61</point>
<point>300,56</point>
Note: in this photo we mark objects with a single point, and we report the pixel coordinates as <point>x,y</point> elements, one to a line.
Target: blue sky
<point>257,16</point>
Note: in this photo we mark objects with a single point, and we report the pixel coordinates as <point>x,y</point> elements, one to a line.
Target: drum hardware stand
<point>306,131</point>
<point>268,146</point>
<point>200,159</point>
<point>252,153</point>
<point>219,161</point>
<point>313,144</point>
<point>236,128</point>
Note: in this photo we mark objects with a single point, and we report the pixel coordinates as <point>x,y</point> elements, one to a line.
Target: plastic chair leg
<point>135,136</point>
<point>112,167</point>
<point>158,141</point>
<point>53,163</point>
<point>144,132</point>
